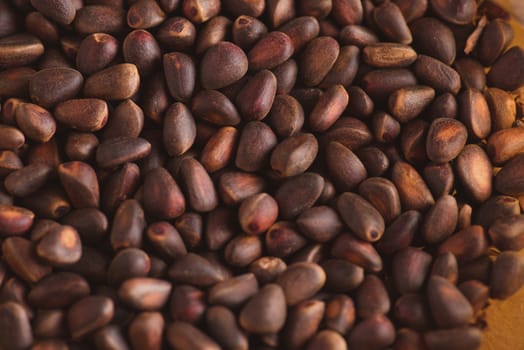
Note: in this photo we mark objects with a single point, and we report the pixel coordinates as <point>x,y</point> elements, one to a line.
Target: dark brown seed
<point>467,244</point>
<point>80,183</point>
<point>257,213</point>
<point>127,120</point>
<point>15,82</point>
<point>344,166</point>
<point>286,116</point>
<point>446,139</point>
<point>180,74</point>
<point>350,132</point>
<point>446,265</point>
<point>199,187</point>
<point>407,103</point>
<point>27,180</point>
<point>437,74</point>
<point>42,27</point>
<point>474,171</point>
<point>119,186</point>
<point>298,194</point>
<point>502,75</point>
<point>195,270</point>
<point>317,60</point>
<point>222,65</point>
<point>505,144</point>
<point>81,146</point>
<point>182,33</point>
<point>383,195</point>
<point>110,338</point>
<point>410,267</point>
<point>144,14</point>
<point>475,113</point>
<point>267,269</point>
<point>495,39</point>
<point>155,97</point>
<point>408,339</point>
<point>15,220</point>
<point>478,269</point>
<point>19,49</point>
<point>141,48</point>
<point>234,187</point>
<point>439,178</point>
<point>294,155</point>
<point>301,30</point>
<point>385,128</point>
<point>507,233</point>
<point>89,314</point>
<point>35,122</point>
<point>327,340</point>
<point>471,73</point>
<point>50,86</point>
<point>507,180</point>
<point>341,275</point>
<point>328,108</point>
<point>128,224</point>
<point>256,97</point>
<point>320,224</point>
<point>271,50</point>
<point>340,313</point>
<point>461,12</point>
<point>347,12</point>
<point>15,327</point>
<point>433,38</point>
<point>19,255</point>
<point>166,240</point>
<point>507,275</point>
<point>96,52</point>
<point>357,251</point>
<point>357,35</point>
<point>374,160</point>
<point>453,339</point>
<point>243,250</point>
<point>412,310</point>
<point>49,324</point>
<point>117,151</point>
<point>60,246</point>
<point>283,239</point>
<point>372,298</point>
<point>184,336</point>
<point>235,291</point>
<point>380,83</point>
<point>265,312</point>
<point>128,263</point>
<point>88,114</point>
<point>215,107</point>
<point>279,11</point>
<point>502,107</point>
<point>247,31</point>
<point>223,327</point>
<point>368,224</point>
<point>301,281</point>
<point>143,293</point>
<point>345,68</point>
<point>303,322</point>
<point>178,34</point>
<point>372,334</point>
<point>146,331</point>
<point>389,19</point>
<point>388,55</point>
<point>117,82</point>
<point>179,131</point>
<point>443,106</point>
<point>100,19</point>
<point>199,11</point>
<point>448,305</point>
<point>286,74</point>
<point>413,191</point>
<point>445,213</point>
<point>400,233</point>
<point>495,208</point>
<point>187,304</point>
<point>58,290</point>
